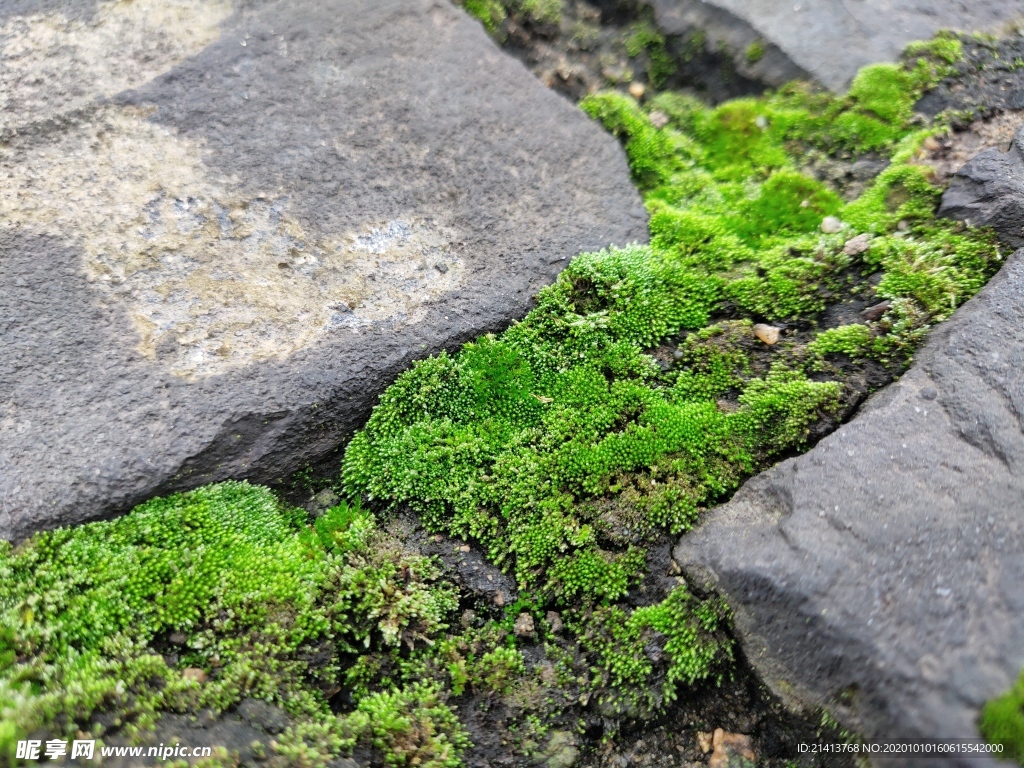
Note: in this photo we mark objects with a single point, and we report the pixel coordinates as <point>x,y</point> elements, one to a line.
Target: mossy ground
<point>567,449</point>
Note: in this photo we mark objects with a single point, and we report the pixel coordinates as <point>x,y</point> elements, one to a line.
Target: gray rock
<point>989,191</point>
<point>225,229</point>
<point>881,574</point>
<point>263,715</point>
<point>825,40</point>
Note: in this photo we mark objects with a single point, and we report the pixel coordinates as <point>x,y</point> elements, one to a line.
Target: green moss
<point>543,11</point>
<point>645,39</point>
<point>1002,722</point>
<point>248,585</point>
<point>755,52</point>
<point>852,340</point>
<point>490,12</point>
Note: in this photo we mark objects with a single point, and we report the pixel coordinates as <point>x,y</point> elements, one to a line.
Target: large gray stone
<point>881,574</point>
<point>225,229</point>
<point>827,40</point>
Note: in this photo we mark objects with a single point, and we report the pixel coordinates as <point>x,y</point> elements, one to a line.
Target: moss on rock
<point>632,397</point>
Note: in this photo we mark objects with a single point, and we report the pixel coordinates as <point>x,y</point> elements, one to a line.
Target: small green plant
<point>1002,722</point>
<point>646,39</point>
<point>755,52</point>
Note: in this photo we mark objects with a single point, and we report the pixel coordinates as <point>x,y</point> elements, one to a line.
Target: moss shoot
<point>634,396</point>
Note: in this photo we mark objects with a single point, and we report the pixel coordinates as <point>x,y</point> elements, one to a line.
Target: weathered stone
<point>732,750</point>
<point>989,191</point>
<point>830,225</point>
<point>524,625</point>
<point>561,750</point>
<point>857,245</point>
<point>194,673</point>
<point>769,334</point>
<point>554,619</point>
<point>881,574</point>
<point>825,41</point>
<point>224,229</point>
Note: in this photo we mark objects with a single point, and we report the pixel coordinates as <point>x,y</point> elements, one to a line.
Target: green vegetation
<point>634,396</point>
<point>1002,722</point>
<point>491,13</point>
<point>645,39</point>
<point>755,52</point>
<point>250,589</point>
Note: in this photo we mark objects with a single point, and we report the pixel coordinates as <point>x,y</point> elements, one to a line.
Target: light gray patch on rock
<point>829,40</point>
<point>881,574</point>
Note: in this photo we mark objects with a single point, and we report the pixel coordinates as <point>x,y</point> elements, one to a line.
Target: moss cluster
<point>1002,722</point>
<point>108,616</point>
<point>635,395</point>
<point>491,13</point>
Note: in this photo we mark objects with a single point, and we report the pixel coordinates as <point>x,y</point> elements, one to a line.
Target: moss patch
<point>1002,722</point>
<point>567,448</point>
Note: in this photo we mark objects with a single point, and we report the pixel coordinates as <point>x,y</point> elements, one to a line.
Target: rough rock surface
<point>882,573</point>
<point>989,191</point>
<point>225,229</point>
<point>827,40</point>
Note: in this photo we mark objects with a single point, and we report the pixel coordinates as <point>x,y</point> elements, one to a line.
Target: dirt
<point>589,50</point>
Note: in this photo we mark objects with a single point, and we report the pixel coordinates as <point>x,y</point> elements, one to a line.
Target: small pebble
<point>769,334</point>
<point>857,245</point>
<point>554,621</point>
<point>731,749</point>
<point>678,354</point>
<point>636,90</point>
<point>875,312</point>
<point>464,548</point>
<point>524,625</point>
<point>831,225</point>
<point>903,225</point>
<point>704,741</point>
<point>194,673</point>
<point>468,617</point>
<point>499,599</point>
<point>177,638</point>
<point>658,119</point>
<point>761,122</point>
<point>931,144</point>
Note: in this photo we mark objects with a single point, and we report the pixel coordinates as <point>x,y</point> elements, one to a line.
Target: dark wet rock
<point>825,41</point>
<point>240,736</point>
<point>986,82</point>
<point>881,574</point>
<point>481,583</point>
<point>224,231</point>
<point>263,715</point>
<point>989,191</point>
